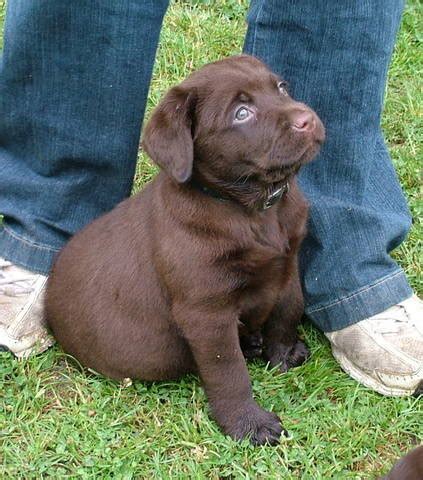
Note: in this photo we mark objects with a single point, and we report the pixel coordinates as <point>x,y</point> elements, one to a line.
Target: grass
<point>58,420</point>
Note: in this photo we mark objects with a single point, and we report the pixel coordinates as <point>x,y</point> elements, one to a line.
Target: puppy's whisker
<point>244,179</point>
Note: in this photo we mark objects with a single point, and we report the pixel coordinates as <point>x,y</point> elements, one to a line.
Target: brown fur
<point>168,281</point>
<point>410,467</point>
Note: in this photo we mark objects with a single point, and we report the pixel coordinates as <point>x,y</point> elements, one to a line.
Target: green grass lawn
<point>57,420</point>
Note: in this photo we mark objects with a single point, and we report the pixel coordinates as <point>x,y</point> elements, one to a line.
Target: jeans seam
<point>28,242</point>
<point>356,293</point>
<point>253,48</point>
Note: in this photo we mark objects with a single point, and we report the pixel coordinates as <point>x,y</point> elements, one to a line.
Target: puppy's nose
<point>302,120</point>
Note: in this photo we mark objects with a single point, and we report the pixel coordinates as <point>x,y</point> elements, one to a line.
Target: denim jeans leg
<point>335,54</point>
<point>74,78</point>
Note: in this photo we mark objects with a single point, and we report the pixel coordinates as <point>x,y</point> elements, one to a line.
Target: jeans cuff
<point>363,303</point>
<point>26,253</point>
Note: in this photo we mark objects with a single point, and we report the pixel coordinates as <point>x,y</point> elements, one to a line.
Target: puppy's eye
<point>242,114</point>
<point>282,86</point>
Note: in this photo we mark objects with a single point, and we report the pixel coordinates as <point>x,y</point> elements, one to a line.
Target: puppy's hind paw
<point>286,356</point>
<point>251,345</point>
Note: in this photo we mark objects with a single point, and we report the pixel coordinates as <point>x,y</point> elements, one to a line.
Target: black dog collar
<point>208,191</point>
<point>273,197</point>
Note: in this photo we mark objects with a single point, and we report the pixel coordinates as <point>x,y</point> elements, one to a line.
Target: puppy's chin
<point>280,175</point>
<point>285,171</point>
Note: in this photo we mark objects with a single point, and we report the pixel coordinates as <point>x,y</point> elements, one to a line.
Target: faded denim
<point>335,55</point>
<point>74,78</point>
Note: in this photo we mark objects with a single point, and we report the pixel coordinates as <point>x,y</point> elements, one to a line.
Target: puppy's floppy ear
<point>167,137</point>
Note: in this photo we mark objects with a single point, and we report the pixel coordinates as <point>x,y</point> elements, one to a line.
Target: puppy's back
<point>104,302</point>
<point>409,467</point>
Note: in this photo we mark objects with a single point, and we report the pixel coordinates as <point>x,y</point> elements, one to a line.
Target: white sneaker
<point>22,329</point>
<point>385,352</point>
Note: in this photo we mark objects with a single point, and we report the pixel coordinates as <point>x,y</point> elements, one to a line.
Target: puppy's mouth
<point>278,174</point>
<point>291,150</point>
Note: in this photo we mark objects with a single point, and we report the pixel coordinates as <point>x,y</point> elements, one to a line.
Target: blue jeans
<point>335,54</point>
<point>74,79</point>
<point>73,85</point>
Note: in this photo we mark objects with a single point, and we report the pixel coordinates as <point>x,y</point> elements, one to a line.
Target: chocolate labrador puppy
<point>168,281</point>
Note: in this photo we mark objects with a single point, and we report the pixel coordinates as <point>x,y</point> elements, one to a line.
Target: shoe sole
<point>22,349</point>
<point>370,382</point>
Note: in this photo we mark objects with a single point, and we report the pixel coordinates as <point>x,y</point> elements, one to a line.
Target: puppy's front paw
<point>260,426</point>
<point>286,356</point>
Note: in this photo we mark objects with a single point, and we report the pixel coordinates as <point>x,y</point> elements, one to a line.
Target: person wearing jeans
<point>74,79</point>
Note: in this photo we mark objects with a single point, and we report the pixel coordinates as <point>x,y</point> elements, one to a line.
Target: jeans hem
<point>363,303</point>
<point>25,253</point>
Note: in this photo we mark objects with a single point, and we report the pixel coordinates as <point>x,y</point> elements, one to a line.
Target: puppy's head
<point>233,127</point>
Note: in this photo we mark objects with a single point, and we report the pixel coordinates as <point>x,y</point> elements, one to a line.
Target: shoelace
<point>14,285</point>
